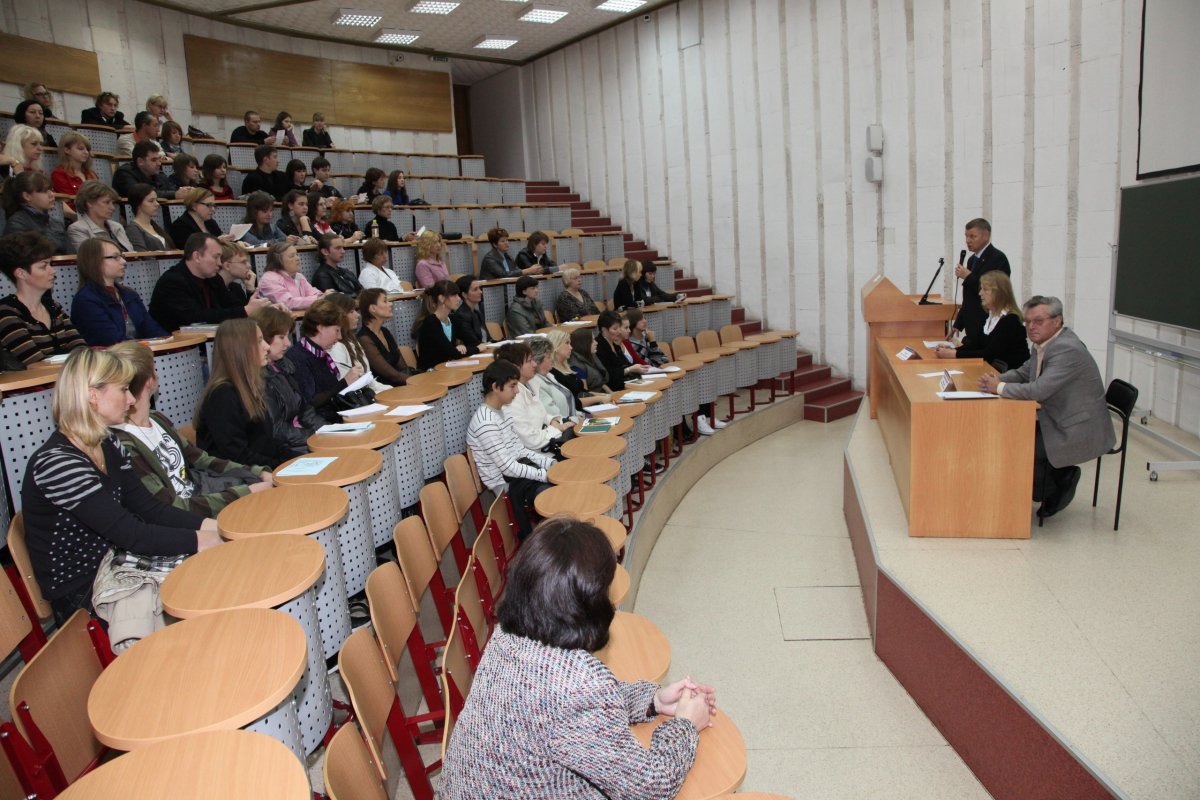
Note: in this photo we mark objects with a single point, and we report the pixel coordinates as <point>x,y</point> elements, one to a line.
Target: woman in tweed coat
<point>545,718</point>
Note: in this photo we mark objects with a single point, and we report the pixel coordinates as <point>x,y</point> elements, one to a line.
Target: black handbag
<point>356,399</point>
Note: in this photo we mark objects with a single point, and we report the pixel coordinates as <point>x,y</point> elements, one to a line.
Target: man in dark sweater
<point>267,178</point>
<point>318,134</point>
<point>251,132</point>
<point>322,179</point>
<point>190,292</point>
<point>146,167</point>
<point>984,258</point>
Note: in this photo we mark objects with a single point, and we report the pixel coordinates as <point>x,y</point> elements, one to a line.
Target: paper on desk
<point>365,380</point>
<point>935,345</point>
<point>939,374</point>
<point>469,363</point>
<point>967,396</point>
<point>635,397</point>
<point>373,408</point>
<point>407,411</point>
<point>530,335</point>
<point>306,466</point>
<point>346,427</point>
<point>238,230</point>
<point>576,322</point>
<point>596,409</point>
<point>672,368</point>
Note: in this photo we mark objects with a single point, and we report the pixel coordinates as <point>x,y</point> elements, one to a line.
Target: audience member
<point>375,273</point>
<point>504,463</point>
<point>105,113</point>
<point>213,174</point>
<point>39,92</point>
<point>31,113</point>
<point>573,301</point>
<point>144,232</point>
<point>294,220</point>
<point>534,254</point>
<point>191,293</point>
<point>329,275</point>
<point>146,167</point>
<point>282,281</point>
<point>96,203</point>
<point>146,128</point>
<point>317,375</point>
<point>496,263</point>
<point>984,258</point>
<point>185,172</point>
<point>611,351</point>
<point>568,376</point>
<point>341,219</point>
<point>536,427</point>
<point>318,134</point>
<point>173,470</point>
<point>1073,423</point>
<point>346,352</point>
<point>171,138</point>
<point>525,313</point>
<point>585,364</point>
<point>104,310</point>
<point>373,183</point>
<point>156,105</point>
<point>1001,341</point>
<point>28,201</point>
<point>643,348</point>
<point>81,497</point>
<point>74,165</point>
<point>434,331</point>
<point>396,188</point>
<point>22,151</point>
<point>554,614</point>
<point>260,211</point>
<point>381,226</point>
<point>293,420</point>
<point>378,344</point>
<point>651,292</point>
<point>267,177</point>
<point>556,399</point>
<point>250,132</point>
<point>469,319</point>
<point>318,213</point>
<point>281,134</point>
<point>626,294</point>
<point>236,273</point>
<point>32,325</point>
<point>322,169</point>
<point>430,267</point>
<point>296,174</point>
<point>199,206</point>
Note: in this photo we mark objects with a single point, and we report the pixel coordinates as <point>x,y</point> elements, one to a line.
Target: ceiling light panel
<point>543,14</point>
<point>355,18</point>
<point>495,42</point>
<point>433,7</point>
<point>393,36</point>
<point>620,6</point>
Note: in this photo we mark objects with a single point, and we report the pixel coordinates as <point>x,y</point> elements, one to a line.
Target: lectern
<point>890,313</point>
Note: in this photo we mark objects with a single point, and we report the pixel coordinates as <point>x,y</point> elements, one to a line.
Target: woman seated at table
<point>573,302</point>
<point>199,206</point>
<point>375,272</point>
<point>610,351</point>
<point>105,113</point>
<point>171,138</point>
<point>317,374</point>
<point>396,187</point>
<point>556,398</point>
<point>1003,338</point>
<point>544,712</point>
<point>383,354</point>
<point>32,325</point>
<point>293,420</point>
<point>346,352</point>
<point>172,469</point>
<point>374,181</point>
<point>283,282</point>
<point>31,113</point>
<point>213,173</point>
<point>318,213</point>
<point>626,294</point>
<point>564,375</point>
<point>430,268</point>
<point>81,498</point>
<point>435,333</point>
<point>296,174</point>
<point>281,133</point>
<point>341,220</point>
<point>294,221</point>
<point>185,172</point>
<point>95,204</point>
<point>74,165</point>
<point>104,310</point>
<point>22,151</point>
<point>583,361</point>
<point>638,343</point>
<point>381,225</point>
<point>232,420</point>
<point>145,233</point>
<point>260,209</point>
<point>469,318</point>
<point>28,201</point>
<point>525,314</point>
<point>536,427</point>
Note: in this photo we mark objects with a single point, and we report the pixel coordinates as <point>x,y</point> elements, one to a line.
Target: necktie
<point>972,262</point>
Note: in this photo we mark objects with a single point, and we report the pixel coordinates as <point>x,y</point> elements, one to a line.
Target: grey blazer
<point>524,319</point>
<point>1074,417</point>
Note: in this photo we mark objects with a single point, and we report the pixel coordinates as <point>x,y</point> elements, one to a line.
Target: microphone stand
<point>925,301</point>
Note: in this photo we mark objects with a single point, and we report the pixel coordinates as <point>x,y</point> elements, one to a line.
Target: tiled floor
<point>753,582</point>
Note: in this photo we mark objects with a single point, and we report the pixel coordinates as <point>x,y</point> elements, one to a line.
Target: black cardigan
<point>185,225</point>
<point>1005,343</point>
<point>432,347</point>
<point>316,383</point>
<point>224,429</point>
<point>471,326</point>
<point>326,277</point>
<point>625,296</point>
<point>613,361</point>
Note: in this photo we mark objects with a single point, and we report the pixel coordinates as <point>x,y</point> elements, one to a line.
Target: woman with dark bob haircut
<point>545,718</point>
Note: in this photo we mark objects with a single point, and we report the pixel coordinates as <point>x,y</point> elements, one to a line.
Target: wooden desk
<point>613,529</point>
<point>637,650</point>
<point>607,445</point>
<point>578,500</point>
<point>622,426</point>
<point>216,672</point>
<point>963,467</point>
<point>890,313</point>
<point>619,586</point>
<point>380,434</point>
<point>227,764</point>
<point>720,765</point>
<point>587,469</point>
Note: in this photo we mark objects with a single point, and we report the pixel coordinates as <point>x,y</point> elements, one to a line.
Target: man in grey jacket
<point>1073,424</point>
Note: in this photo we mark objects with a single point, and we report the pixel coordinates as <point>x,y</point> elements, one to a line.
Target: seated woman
<point>74,165</point>
<point>643,349</point>
<point>346,352</point>
<point>626,294</point>
<point>573,302</point>
<point>341,220</point>
<point>173,470</point>
<point>171,138</point>
<point>377,342</point>
<point>296,174</point>
<point>434,331</point>
<point>260,209</point>
<point>317,375</point>
<point>294,221</point>
<point>1003,338</point>
<point>374,181</point>
<point>22,151</point>
<point>562,373</point>
<point>199,206</point>
<point>430,268</point>
<point>282,281</point>
<point>213,173</point>
<point>292,418</point>
<point>96,203</point>
<point>535,426</point>
<point>375,272</point>
<point>584,363</point>
<point>81,498</point>
<point>535,253</point>
<point>105,311</point>
<point>318,213</point>
<point>31,113</point>
<point>232,420</point>
<point>28,201</point>
<point>554,614</point>
<point>396,188</point>
<point>105,113</point>
<point>381,225</point>
<point>469,318</point>
<point>556,398</point>
<point>525,314</point>
<point>185,172</point>
<point>281,134</point>
<point>144,232</point>
<point>32,325</point>
<point>610,351</point>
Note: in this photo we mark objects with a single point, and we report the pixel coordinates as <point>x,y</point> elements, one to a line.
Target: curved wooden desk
<point>227,764</point>
<point>380,434</point>
<point>619,588</point>
<point>720,765</point>
<point>594,446</point>
<point>637,650</point>
<point>624,410</point>
<point>285,509</point>
<point>442,377</point>
<point>216,672</point>
<point>613,529</point>
<point>624,424</point>
<point>584,469</point>
<point>353,464</point>
<point>580,500</point>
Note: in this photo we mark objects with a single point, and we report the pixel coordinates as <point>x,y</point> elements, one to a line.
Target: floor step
<point>699,291</point>
<point>803,359</point>
<point>556,197</point>
<point>833,407</point>
<point>593,228</point>
<point>825,388</point>
<point>750,327</point>
<point>738,314</point>
<point>683,284</point>
<point>641,255</point>
<point>811,375</point>
<point>541,185</point>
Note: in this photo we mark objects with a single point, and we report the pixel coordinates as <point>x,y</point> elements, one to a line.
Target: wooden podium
<point>891,313</point>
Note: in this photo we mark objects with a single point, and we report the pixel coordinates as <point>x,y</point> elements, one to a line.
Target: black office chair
<point>1121,397</point>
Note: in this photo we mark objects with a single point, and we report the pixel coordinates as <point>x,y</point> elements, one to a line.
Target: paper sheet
<point>469,363</point>
<point>345,427</point>
<point>967,396</point>
<point>306,466</point>
<point>935,345</point>
<point>636,397</point>
<point>938,374</point>
<point>596,409</point>
<point>406,411</point>
<point>238,230</point>
<point>365,380</point>
<point>373,408</point>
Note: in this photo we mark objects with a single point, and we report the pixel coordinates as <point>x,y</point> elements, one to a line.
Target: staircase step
<point>641,255</point>
<point>541,185</point>
<point>593,228</point>
<point>700,291</point>
<point>750,327</point>
<point>683,284</point>
<point>585,213</point>
<point>803,359</point>
<point>577,206</point>
<point>556,197</point>
<point>825,388</point>
<point>811,375</point>
<point>833,407</point>
<point>738,314</point>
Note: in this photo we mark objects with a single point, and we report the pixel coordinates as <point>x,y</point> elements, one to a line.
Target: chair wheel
<point>1145,420</point>
<point>1153,475</point>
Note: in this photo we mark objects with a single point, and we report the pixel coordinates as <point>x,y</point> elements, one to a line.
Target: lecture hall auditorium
<point>800,173</point>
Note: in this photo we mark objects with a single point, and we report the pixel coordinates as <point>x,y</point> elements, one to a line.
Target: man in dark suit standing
<point>984,258</point>
<point>1073,424</point>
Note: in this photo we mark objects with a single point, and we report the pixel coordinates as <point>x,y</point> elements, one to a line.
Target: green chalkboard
<point>1158,253</point>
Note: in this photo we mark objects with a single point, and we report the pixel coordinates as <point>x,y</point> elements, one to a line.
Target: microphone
<point>962,254</point>
<point>925,301</point>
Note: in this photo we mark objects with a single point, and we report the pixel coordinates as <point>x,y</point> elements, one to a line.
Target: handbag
<point>351,400</point>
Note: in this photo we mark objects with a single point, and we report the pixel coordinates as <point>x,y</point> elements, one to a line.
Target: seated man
<point>105,113</point>
<point>146,128</point>
<point>146,167</point>
<point>318,134</point>
<point>322,180</point>
<point>267,178</point>
<point>191,292</point>
<point>251,132</point>
<point>1073,424</point>
<point>503,462</point>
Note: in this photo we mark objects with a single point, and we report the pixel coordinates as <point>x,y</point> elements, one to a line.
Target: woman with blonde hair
<point>199,206</point>
<point>626,294</point>
<point>1002,341</point>
<point>22,151</point>
<point>232,420</point>
<point>81,498</point>
<point>74,165</point>
<point>96,203</point>
<point>565,375</point>
<point>430,268</point>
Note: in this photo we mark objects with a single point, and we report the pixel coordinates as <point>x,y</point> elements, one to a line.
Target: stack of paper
<point>635,397</point>
<point>408,411</point>
<point>309,465</point>
<point>346,427</point>
<point>373,408</point>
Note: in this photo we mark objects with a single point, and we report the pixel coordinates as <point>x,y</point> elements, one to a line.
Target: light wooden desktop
<point>964,468</point>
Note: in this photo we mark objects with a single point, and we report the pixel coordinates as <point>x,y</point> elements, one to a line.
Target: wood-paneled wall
<point>66,69</point>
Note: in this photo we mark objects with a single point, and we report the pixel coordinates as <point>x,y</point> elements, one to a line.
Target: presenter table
<point>963,467</point>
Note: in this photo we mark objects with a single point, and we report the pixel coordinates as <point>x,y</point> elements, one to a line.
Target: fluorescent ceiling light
<point>620,6</point>
<point>543,14</point>
<point>433,6</point>
<point>494,42</point>
<point>356,18</point>
<point>393,36</point>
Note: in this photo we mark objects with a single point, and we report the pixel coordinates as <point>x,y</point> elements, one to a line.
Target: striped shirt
<point>30,340</point>
<point>497,450</point>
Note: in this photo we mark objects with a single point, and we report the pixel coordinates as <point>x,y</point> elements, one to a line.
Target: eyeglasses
<point>114,257</point>
<point>1040,320</point>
